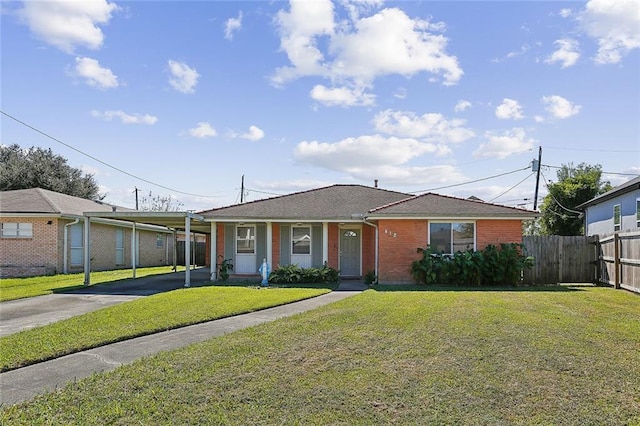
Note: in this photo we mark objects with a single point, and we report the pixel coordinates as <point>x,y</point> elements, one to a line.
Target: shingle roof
<point>336,202</point>
<point>38,200</point>
<point>618,190</point>
<point>444,206</point>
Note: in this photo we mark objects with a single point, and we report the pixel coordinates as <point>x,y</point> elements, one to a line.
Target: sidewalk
<point>25,383</point>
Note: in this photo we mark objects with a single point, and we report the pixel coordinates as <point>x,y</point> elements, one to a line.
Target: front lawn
<point>147,315</point>
<point>567,356</point>
<point>19,288</point>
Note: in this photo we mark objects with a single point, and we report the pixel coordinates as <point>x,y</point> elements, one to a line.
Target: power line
<point>592,150</point>
<point>604,173</point>
<point>102,162</point>
<point>471,181</point>
<point>527,177</point>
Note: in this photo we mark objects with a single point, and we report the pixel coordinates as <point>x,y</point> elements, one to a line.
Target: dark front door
<point>350,252</point>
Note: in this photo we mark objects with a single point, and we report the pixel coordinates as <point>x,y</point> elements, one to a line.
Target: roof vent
<point>375,183</point>
<point>113,208</point>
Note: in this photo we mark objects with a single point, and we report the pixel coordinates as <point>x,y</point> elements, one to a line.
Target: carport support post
<point>187,250</point>
<point>87,251</point>
<point>325,243</point>
<point>133,248</point>
<point>270,245</point>
<point>214,254</point>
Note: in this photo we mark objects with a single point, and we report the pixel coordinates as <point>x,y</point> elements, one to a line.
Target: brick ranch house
<point>355,229</point>
<point>42,232</point>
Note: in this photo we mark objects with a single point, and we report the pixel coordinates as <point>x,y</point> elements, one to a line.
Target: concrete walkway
<point>25,383</point>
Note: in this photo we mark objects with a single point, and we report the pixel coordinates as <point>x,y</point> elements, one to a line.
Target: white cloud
<point>377,157</point>
<point>523,49</point>
<point>203,130</point>
<point>560,107</point>
<point>509,109</point>
<point>503,145</point>
<point>184,78</point>
<point>432,127</point>
<point>95,75</point>
<point>341,96</point>
<point>400,93</point>
<point>567,53</point>
<point>254,134</point>
<point>538,119</point>
<point>126,118</point>
<point>232,25</point>
<point>565,13</point>
<point>356,51</point>
<point>462,105</point>
<point>68,24</point>
<point>615,24</point>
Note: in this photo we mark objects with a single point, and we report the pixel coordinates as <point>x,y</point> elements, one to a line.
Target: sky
<point>183,99</point>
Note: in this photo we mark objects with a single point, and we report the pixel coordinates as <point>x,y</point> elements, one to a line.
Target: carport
<point>176,221</point>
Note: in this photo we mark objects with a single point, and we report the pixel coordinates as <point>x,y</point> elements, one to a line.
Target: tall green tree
<point>575,185</point>
<point>36,167</point>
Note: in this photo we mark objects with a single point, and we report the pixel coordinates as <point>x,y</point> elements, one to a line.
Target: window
<point>616,217</point>
<point>246,240</point>
<point>159,240</point>
<point>451,237</point>
<point>637,211</point>
<point>120,246</point>
<point>301,240</point>
<point>17,230</point>
<point>350,234</point>
<point>75,244</point>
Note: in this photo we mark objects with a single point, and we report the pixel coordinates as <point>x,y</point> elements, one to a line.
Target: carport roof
<point>175,220</point>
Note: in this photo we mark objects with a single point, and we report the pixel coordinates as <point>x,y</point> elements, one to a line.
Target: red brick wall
<point>334,235</point>
<point>497,231</point>
<point>368,248</point>
<point>399,240</point>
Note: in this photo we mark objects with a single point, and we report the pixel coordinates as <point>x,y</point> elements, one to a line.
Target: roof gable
<point>341,202</point>
<point>618,190</point>
<point>444,206</point>
<point>43,201</point>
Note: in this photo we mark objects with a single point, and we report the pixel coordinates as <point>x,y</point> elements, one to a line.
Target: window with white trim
<point>75,244</point>
<point>159,240</point>
<point>637,211</point>
<point>451,237</point>
<point>617,217</point>
<point>301,240</point>
<point>17,230</point>
<point>246,240</point>
<point>119,246</point>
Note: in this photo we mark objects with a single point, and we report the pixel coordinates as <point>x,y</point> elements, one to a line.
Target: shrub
<point>370,278</point>
<point>293,274</point>
<point>490,266</point>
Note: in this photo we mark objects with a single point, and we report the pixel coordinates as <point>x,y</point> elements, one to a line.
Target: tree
<point>576,185</point>
<point>158,203</point>
<point>40,168</point>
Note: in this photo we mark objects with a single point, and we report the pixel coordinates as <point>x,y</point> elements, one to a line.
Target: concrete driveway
<point>22,314</point>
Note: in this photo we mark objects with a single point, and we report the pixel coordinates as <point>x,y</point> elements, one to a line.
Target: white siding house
<point>613,211</point>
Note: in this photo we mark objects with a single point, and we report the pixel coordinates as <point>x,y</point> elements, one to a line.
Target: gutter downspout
<point>65,245</point>
<point>376,255</point>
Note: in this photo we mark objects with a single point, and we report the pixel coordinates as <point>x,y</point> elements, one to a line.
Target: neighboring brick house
<point>356,229</point>
<point>41,232</point>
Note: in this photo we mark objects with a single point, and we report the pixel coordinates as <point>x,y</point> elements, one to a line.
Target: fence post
<point>560,260</point>
<point>616,260</point>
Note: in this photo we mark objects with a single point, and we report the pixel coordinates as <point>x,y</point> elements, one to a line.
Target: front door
<point>350,252</point>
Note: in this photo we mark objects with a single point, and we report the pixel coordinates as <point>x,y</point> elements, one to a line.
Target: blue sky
<point>189,96</point>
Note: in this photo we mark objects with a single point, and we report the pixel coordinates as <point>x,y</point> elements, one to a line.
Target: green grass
<point>139,317</point>
<point>565,356</point>
<point>20,288</point>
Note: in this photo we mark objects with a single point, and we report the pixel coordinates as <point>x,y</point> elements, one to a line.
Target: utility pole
<point>136,191</point>
<point>242,190</point>
<point>536,168</point>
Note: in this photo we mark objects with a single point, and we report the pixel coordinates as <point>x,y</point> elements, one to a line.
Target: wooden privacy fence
<point>612,260</point>
<point>560,259</point>
<point>618,262</point>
